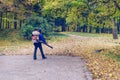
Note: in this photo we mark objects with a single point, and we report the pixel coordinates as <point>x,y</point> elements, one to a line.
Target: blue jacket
<point>41,38</point>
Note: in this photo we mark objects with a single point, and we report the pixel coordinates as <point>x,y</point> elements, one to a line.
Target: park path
<point>23,67</point>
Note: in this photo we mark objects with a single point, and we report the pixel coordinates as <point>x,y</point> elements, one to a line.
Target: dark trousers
<point>36,46</point>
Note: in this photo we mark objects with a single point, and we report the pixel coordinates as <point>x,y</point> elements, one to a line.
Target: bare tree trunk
<point>8,24</point>
<point>1,20</point>
<point>20,23</point>
<point>15,22</point>
<point>90,29</point>
<point>118,25</point>
<point>6,20</point>
<point>63,28</point>
<point>114,30</point>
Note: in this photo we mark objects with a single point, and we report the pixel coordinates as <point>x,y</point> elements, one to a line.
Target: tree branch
<point>27,6</point>
<point>116,4</point>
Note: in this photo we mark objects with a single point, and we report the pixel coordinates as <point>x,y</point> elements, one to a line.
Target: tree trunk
<point>20,23</point>
<point>86,24</point>
<point>114,30</point>
<point>8,24</point>
<point>97,30</point>
<point>118,25</point>
<point>15,22</point>
<point>84,27</point>
<point>90,29</point>
<point>68,28</point>
<point>63,28</point>
<point>3,23</point>
<point>1,20</point>
<point>103,30</point>
<point>6,20</point>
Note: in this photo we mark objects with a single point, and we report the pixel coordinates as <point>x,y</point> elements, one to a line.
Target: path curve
<point>22,67</point>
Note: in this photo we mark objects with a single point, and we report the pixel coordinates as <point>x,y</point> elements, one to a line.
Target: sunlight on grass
<point>57,36</point>
<point>91,34</point>
<point>113,53</point>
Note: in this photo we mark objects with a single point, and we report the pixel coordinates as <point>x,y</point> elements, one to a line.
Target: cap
<point>39,30</point>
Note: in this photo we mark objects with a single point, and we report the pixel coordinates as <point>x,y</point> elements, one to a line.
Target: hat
<point>39,30</point>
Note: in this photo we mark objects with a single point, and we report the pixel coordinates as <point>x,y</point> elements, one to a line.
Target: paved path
<point>22,67</point>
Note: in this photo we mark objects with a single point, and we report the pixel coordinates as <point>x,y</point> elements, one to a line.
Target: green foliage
<point>9,35</point>
<point>4,34</point>
<point>26,31</point>
<point>36,22</point>
<point>77,13</point>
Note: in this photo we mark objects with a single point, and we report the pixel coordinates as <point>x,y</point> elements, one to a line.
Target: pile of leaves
<point>103,67</point>
<point>94,51</point>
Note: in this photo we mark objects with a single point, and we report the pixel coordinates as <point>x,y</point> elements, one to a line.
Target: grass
<point>12,38</point>
<point>91,34</point>
<point>58,36</point>
<point>111,55</point>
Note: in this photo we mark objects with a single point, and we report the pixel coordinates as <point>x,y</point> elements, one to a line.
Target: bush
<point>36,22</point>
<point>26,31</point>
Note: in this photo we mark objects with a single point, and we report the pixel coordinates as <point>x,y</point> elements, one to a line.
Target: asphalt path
<point>23,67</point>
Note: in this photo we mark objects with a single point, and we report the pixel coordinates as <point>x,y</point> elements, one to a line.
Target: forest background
<point>90,16</point>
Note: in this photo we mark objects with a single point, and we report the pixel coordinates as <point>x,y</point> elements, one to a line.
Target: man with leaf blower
<point>38,39</point>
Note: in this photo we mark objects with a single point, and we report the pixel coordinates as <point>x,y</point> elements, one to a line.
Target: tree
<point>72,15</point>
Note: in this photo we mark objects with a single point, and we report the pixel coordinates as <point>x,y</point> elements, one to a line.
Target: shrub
<point>26,31</point>
<point>36,22</point>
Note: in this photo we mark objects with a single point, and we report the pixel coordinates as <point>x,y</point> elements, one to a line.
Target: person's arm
<point>43,40</point>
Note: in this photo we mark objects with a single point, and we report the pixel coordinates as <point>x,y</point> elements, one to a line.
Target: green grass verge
<point>58,36</point>
<point>91,34</point>
<point>113,56</point>
<point>12,37</point>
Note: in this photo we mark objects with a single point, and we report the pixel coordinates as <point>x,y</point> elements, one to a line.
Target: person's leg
<point>41,50</point>
<point>35,51</point>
